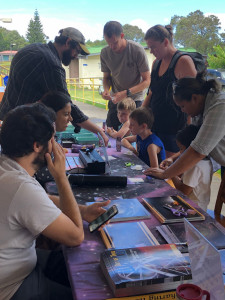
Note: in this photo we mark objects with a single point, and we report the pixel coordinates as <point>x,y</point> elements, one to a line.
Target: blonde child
<point>149,147</point>
<point>124,108</point>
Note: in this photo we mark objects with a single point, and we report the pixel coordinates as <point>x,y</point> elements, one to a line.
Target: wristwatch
<point>129,93</point>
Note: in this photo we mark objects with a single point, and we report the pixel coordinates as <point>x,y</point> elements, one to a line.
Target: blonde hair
<point>126,104</point>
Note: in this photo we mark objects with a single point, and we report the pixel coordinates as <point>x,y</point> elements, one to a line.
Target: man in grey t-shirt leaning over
<point>125,69</point>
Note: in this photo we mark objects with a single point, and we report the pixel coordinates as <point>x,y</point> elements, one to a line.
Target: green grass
<point>218,171</point>
<point>5,64</point>
<point>85,96</point>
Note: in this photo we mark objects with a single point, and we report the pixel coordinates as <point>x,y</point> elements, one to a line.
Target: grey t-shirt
<point>125,67</point>
<point>25,211</point>
<point>210,139</point>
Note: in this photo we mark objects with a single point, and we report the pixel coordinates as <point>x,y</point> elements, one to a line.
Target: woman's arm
<point>185,67</point>
<point>94,128</point>
<point>146,102</point>
<point>185,162</point>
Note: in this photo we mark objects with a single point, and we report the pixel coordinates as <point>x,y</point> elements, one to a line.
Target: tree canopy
<point>96,43</point>
<point>133,33</point>
<point>197,31</point>
<point>217,60</point>
<point>35,32</point>
<point>130,32</point>
<point>9,38</point>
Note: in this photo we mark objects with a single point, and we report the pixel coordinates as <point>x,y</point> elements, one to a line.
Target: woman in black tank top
<point>169,119</point>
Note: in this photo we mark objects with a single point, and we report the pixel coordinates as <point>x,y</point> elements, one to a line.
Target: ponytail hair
<point>184,88</point>
<point>159,33</point>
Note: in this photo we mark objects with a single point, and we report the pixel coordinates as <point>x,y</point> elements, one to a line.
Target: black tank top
<point>168,116</point>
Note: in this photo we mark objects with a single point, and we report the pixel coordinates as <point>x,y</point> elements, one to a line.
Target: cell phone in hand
<point>102,219</point>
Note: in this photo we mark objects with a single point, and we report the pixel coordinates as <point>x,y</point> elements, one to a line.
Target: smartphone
<point>102,219</point>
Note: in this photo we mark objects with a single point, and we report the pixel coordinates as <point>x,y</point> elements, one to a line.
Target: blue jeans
<point>48,281</point>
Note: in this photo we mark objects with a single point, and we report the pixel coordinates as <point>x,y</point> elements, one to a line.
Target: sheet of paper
<point>135,180</point>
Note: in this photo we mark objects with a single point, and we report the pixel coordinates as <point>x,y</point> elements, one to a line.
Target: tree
<point>197,31</point>
<point>133,33</point>
<point>217,60</point>
<point>35,32</point>
<point>9,37</point>
<point>96,43</point>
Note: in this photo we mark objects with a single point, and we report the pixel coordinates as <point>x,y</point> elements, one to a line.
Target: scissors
<point>179,211</point>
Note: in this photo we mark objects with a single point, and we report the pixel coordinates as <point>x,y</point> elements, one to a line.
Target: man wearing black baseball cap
<point>77,36</point>
<point>37,69</point>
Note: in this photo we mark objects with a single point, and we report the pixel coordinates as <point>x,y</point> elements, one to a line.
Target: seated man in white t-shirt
<point>26,210</point>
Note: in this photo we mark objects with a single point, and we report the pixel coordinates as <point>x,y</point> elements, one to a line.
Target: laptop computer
<point>206,263</point>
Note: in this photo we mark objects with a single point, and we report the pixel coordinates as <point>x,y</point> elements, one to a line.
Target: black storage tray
<point>93,162</point>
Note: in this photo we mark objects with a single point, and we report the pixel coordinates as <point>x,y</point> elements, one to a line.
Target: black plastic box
<point>93,162</point>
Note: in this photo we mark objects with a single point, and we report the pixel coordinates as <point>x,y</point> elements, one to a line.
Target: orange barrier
<point>1,96</point>
<point>2,90</point>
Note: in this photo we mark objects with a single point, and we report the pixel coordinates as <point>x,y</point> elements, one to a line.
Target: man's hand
<point>119,96</point>
<point>166,163</point>
<point>57,165</point>
<point>106,95</point>
<point>91,212</point>
<point>156,172</point>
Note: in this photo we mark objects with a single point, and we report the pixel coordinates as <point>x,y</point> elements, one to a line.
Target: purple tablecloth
<point>87,280</point>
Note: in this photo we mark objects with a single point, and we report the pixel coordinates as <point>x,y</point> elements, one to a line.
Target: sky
<point>90,16</point>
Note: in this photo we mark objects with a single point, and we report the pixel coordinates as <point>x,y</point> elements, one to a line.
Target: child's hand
<point>110,130</point>
<point>134,151</point>
<point>166,163</point>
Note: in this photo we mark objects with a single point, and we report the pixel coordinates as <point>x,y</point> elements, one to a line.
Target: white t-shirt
<point>210,139</point>
<point>25,211</point>
<point>199,178</point>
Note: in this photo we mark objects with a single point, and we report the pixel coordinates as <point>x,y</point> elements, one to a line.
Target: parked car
<point>217,74</point>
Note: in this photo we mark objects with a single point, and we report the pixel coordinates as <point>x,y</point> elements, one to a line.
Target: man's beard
<point>66,57</point>
<point>40,161</point>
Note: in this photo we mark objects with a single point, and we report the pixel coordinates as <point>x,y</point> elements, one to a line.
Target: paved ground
<point>98,115</point>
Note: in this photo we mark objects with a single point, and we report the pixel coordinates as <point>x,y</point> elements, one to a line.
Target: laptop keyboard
<point>73,162</point>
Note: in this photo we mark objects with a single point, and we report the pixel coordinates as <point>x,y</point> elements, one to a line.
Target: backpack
<point>197,58</point>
